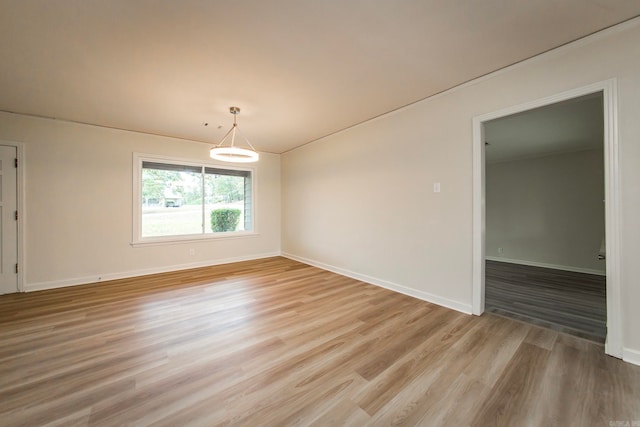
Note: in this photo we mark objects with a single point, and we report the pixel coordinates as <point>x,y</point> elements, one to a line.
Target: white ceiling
<point>569,126</point>
<point>298,69</point>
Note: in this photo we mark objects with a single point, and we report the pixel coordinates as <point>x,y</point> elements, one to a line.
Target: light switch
<point>436,187</point>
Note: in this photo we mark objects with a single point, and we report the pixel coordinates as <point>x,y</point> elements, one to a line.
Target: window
<point>178,200</point>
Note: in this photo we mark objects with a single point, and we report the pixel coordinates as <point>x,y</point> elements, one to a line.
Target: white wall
<point>547,210</point>
<point>361,201</point>
<point>78,202</point>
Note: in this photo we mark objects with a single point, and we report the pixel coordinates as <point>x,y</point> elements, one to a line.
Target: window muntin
<point>176,200</point>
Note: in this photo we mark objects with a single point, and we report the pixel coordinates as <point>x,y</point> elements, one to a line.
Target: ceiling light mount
<point>230,152</point>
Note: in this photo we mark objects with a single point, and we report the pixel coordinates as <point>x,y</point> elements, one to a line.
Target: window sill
<point>176,240</point>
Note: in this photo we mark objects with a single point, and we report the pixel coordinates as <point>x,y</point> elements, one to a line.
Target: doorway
<point>544,185</point>
<point>607,91</point>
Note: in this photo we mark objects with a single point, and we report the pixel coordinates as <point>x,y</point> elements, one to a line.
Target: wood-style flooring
<point>274,342</point>
<point>574,303</point>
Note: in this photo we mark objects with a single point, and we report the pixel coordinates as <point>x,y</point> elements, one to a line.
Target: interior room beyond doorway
<point>545,224</point>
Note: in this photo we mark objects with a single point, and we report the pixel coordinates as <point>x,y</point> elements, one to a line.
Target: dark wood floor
<point>574,303</point>
<point>277,343</point>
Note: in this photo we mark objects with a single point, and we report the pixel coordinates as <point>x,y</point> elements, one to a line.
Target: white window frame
<point>138,240</point>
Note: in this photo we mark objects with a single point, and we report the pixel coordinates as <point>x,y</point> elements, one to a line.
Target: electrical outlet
<point>192,251</point>
<point>500,250</point>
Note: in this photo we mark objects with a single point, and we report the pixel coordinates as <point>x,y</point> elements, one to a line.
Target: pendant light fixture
<point>230,152</point>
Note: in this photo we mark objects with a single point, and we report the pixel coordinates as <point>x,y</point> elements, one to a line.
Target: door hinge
<point>17,271</point>
<point>16,215</point>
<point>16,163</point>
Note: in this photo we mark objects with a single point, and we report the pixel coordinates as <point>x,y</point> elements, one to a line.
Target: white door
<point>8,220</point>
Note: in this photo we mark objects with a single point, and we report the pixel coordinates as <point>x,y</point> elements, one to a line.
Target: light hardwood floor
<point>276,342</point>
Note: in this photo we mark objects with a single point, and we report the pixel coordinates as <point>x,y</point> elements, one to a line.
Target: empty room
<point>545,222</point>
<point>292,213</point>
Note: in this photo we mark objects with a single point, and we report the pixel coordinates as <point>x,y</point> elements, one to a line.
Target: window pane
<point>225,195</point>
<point>171,200</point>
<point>178,201</point>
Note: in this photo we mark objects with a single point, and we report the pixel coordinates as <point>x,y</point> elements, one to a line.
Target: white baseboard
<point>545,265</point>
<point>40,286</point>
<point>631,356</point>
<point>425,296</point>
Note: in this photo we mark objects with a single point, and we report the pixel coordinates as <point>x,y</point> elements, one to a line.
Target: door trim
<point>609,89</point>
<point>19,146</point>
